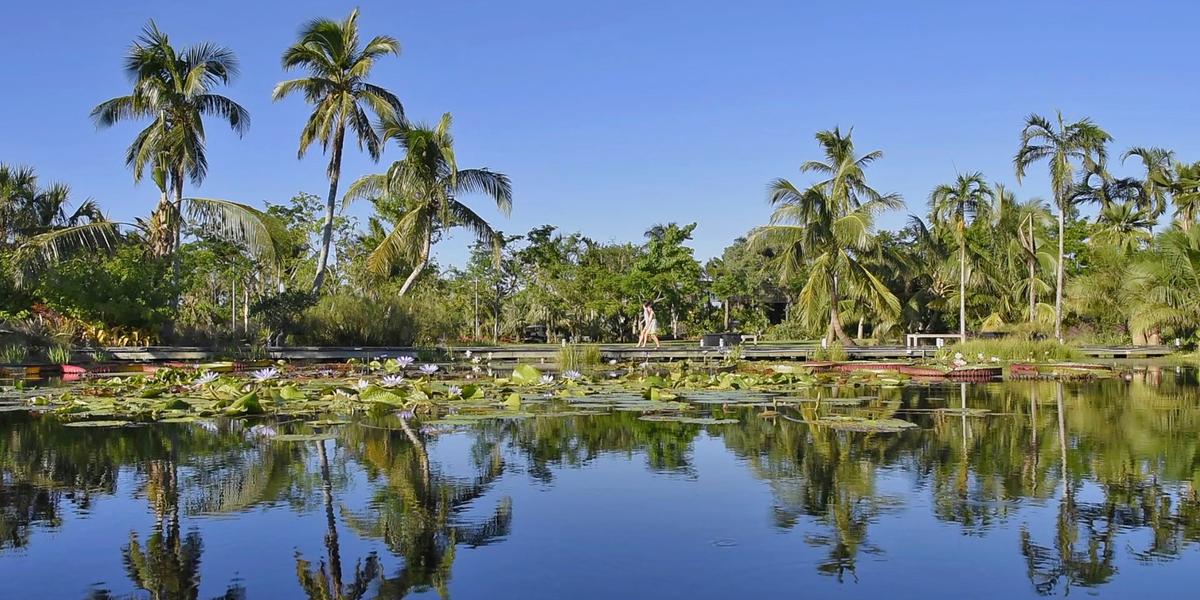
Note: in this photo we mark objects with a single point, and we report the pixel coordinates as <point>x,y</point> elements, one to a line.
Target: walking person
<point>649,327</point>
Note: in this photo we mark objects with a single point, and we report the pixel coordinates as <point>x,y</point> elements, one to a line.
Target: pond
<point>1035,489</point>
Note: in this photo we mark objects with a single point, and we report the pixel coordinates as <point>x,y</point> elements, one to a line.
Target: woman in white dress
<point>649,327</point>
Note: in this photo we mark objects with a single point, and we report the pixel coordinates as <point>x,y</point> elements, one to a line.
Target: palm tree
<point>27,209</point>
<point>1168,282</point>
<point>428,184</point>
<point>1062,145</point>
<point>956,204</point>
<point>1157,162</point>
<point>1183,182</point>
<point>341,96</point>
<point>174,90</point>
<point>1034,218</point>
<point>825,228</point>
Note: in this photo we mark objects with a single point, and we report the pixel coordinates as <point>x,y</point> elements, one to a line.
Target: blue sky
<point>612,116</point>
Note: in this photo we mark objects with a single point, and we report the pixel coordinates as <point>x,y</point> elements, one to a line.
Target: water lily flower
<point>572,375</point>
<point>205,378</point>
<point>406,415</point>
<point>391,381</point>
<point>405,361</point>
<point>362,385</point>
<point>476,369</point>
<point>958,362</point>
<point>547,379</point>
<point>429,369</point>
<point>454,391</point>
<point>475,360</point>
<point>468,354</point>
<point>264,375</point>
<point>958,356</point>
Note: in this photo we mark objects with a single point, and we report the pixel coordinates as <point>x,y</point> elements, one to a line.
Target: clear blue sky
<point>611,116</point>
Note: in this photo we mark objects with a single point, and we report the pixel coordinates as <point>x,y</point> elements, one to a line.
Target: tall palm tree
<point>825,228</point>
<point>956,204</point>
<point>1034,218</point>
<point>1062,145</point>
<point>428,184</point>
<point>341,96</point>
<point>173,89</point>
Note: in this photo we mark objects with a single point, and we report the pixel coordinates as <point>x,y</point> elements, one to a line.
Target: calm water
<point>1081,489</point>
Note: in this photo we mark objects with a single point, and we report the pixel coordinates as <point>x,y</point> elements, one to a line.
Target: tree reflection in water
<point>1108,457</point>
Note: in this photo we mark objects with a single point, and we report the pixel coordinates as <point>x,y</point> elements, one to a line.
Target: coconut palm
<point>824,228</point>
<point>173,89</point>
<point>428,184</point>
<point>341,96</point>
<point>1066,147</point>
<point>957,204</point>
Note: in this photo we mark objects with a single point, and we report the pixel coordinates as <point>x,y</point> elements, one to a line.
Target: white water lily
<point>467,354</point>
<point>405,361</point>
<point>205,378</point>
<point>263,375</point>
<point>958,356</point>
<point>572,375</point>
<point>391,381</point>
<point>454,391</point>
<point>429,369</point>
<point>475,360</point>
<point>547,379</point>
<point>361,385</point>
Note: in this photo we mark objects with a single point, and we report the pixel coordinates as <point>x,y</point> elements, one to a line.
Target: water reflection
<point>1091,480</point>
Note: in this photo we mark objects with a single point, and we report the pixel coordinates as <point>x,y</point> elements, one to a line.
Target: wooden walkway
<point>542,353</point>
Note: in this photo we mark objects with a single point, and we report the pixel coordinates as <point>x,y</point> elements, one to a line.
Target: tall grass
<point>1011,348</point>
<point>59,355</point>
<point>836,352</point>
<point>575,357</point>
<point>14,354</point>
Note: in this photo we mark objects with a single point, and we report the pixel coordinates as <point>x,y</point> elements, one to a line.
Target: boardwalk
<point>548,353</point>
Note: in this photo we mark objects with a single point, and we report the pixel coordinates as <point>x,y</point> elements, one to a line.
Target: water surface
<point>1086,488</point>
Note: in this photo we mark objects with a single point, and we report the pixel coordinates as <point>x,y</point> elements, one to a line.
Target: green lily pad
<point>97,423</point>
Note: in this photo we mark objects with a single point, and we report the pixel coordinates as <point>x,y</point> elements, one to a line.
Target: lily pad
<point>97,423</point>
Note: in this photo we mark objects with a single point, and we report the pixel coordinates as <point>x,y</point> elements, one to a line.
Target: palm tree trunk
<point>1031,262</point>
<point>422,260</point>
<point>335,172</point>
<point>1058,292</point>
<point>835,319</point>
<point>962,290</point>
<point>727,314</point>
<point>332,547</point>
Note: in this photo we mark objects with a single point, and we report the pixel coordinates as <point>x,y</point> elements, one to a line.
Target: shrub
<point>345,319</point>
<point>837,352</point>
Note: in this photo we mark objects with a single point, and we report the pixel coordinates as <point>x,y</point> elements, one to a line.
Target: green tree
<point>1063,145</point>
<point>824,228</point>
<point>428,183</point>
<point>956,204</point>
<point>173,89</point>
<point>341,96</point>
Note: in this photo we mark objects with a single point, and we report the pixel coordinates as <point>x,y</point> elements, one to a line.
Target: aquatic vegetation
<point>429,369</point>
<point>391,381</point>
<point>263,375</point>
<point>13,354</point>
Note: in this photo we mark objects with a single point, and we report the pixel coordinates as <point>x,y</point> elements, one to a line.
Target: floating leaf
<point>525,374</point>
<point>97,423</point>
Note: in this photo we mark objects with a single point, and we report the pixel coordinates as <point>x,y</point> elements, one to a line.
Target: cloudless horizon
<point>611,117</point>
